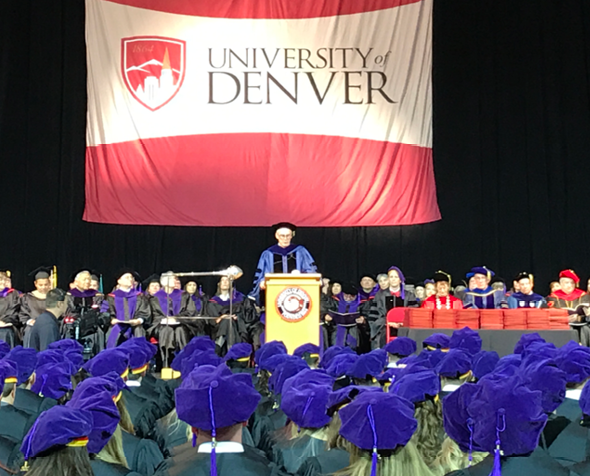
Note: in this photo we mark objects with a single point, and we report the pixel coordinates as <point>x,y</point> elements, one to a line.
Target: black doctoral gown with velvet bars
<point>229,331</point>
<point>125,306</point>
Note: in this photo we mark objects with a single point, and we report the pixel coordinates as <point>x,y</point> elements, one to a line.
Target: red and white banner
<point>249,112</point>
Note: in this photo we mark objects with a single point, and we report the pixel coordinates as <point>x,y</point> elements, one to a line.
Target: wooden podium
<point>293,309</point>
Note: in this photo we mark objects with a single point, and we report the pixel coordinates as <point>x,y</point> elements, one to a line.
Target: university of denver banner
<point>249,112</point>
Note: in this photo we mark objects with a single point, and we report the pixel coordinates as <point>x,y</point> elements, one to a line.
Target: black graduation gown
<point>267,419</point>
<point>570,446</point>
<point>31,307</point>
<point>378,312</point>
<point>290,455</point>
<point>9,308</point>
<point>187,462</point>
<point>351,336</point>
<point>142,413</point>
<point>83,304</point>
<point>102,468</point>
<point>143,456</point>
<point>163,404</point>
<point>539,463</point>
<point>44,332</point>
<point>14,423</point>
<point>10,457</point>
<point>229,331</point>
<point>327,462</point>
<point>570,409</point>
<point>117,305</point>
<point>31,403</point>
<point>170,338</point>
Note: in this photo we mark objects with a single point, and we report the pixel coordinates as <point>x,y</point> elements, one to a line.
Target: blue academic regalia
<point>282,260</point>
<point>484,299</point>
<point>528,301</point>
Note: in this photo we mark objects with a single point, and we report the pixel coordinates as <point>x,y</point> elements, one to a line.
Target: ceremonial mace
<point>167,280</point>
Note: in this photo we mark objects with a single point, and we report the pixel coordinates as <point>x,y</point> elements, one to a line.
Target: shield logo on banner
<point>153,68</point>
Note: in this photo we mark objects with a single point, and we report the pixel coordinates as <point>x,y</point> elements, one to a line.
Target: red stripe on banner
<point>265,9</point>
<point>259,179</point>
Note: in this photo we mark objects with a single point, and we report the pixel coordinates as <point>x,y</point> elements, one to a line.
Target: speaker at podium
<point>293,308</point>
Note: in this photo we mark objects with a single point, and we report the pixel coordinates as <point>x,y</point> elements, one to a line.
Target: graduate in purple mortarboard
<point>229,329</point>
<point>483,295</point>
<point>284,257</point>
<point>128,310</point>
<point>9,307</point>
<point>169,306</point>
<point>85,303</point>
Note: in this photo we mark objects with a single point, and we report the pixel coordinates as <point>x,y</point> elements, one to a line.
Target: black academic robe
<point>379,307</point>
<point>229,331</point>
<point>351,335</point>
<point>263,429</point>
<point>101,468</point>
<point>10,457</point>
<point>142,413</point>
<point>30,308</point>
<point>187,462</point>
<point>539,463</point>
<point>44,332</point>
<point>31,403</point>
<point>177,304</point>
<point>162,390</point>
<point>569,447</point>
<point>84,305</point>
<point>163,404</point>
<point>14,423</point>
<point>143,455</point>
<point>9,308</point>
<point>126,306</point>
<point>327,462</point>
<point>290,455</point>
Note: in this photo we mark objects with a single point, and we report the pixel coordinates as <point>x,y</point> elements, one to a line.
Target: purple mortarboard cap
<point>58,426</point>
<point>418,386</point>
<point>53,380</point>
<point>378,421</point>
<point>202,343</point>
<point>306,405</point>
<point>25,360</point>
<point>202,398</point>
<point>315,376</point>
<point>584,401</point>
<point>268,349</point>
<point>311,349</point>
<point>370,364</point>
<point>481,270</point>
<point>8,373</point>
<point>341,364</point>
<point>239,351</point>
<point>332,352</point>
<point>54,356</point>
<point>545,377</point>
<point>109,360</point>
<point>346,395</point>
<point>271,362</point>
<point>433,356</point>
<point>538,351</point>
<point>66,344</point>
<point>437,341</point>
<point>139,357</point>
<point>466,339</point>
<point>75,357</point>
<point>110,383</point>
<point>401,346</point>
<point>457,422</point>
<point>411,360</point>
<point>574,360</point>
<point>198,359</point>
<point>105,418</point>
<point>389,376</point>
<point>456,362</point>
<point>484,362</point>
<point>507,366</point>
<point>4,348</point>
<point>508,411</point>
<point>283,372</point>
<point>142,343</point>
<point>526,340</point>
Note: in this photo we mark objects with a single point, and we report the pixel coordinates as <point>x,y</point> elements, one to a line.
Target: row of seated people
<point>449,408</point>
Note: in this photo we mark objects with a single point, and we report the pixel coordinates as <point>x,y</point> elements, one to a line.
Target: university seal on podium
<point>293,304</point>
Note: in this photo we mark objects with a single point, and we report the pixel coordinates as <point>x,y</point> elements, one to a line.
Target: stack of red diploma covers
<point>558,319</point>
<point>444,319</point>
<point>491,318</point>
<point>538,319</point>
<point>517,319</point>
<point>420,318</point>
<point>468,318</point>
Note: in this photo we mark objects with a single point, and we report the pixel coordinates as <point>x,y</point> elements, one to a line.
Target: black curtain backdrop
<point>511,141</point>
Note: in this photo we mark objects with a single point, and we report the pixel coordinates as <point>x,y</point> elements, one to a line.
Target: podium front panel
<point>293,309</point>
